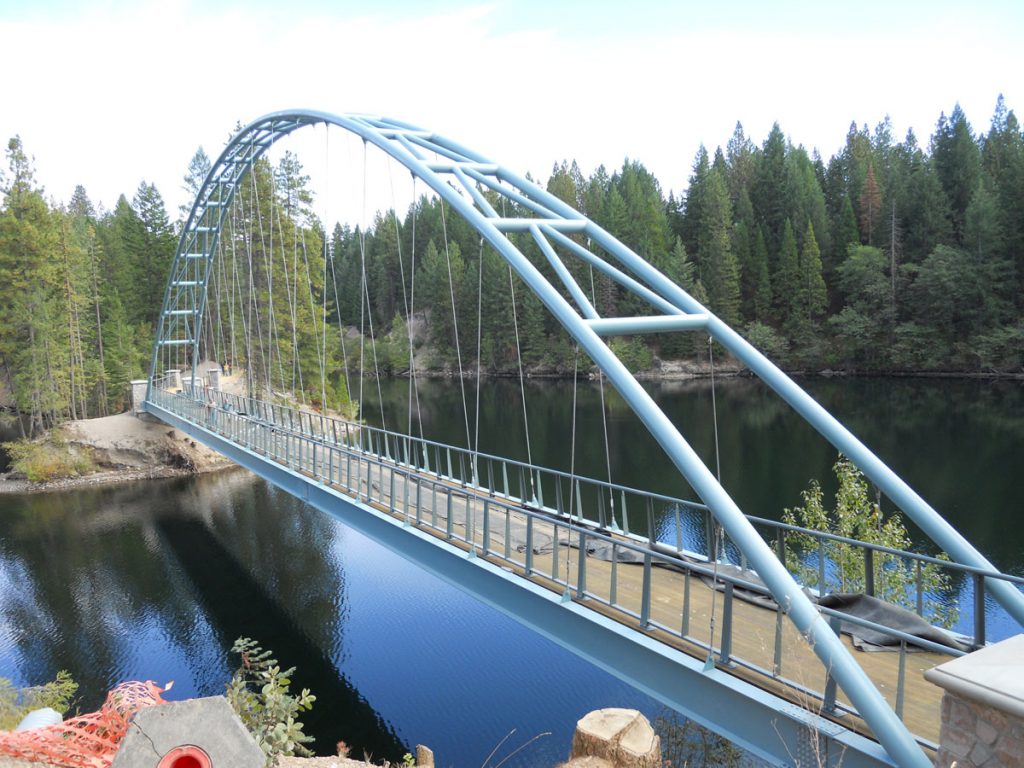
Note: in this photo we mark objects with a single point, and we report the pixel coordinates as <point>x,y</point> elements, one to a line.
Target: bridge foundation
<point>982,707</point>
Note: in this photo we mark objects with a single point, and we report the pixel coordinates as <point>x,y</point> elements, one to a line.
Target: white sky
<point>109,93</point>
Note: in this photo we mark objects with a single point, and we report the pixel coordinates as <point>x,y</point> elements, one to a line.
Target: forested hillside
<point>892,255</point>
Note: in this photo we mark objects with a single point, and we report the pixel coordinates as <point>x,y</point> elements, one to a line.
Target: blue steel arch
<point>456,174</point>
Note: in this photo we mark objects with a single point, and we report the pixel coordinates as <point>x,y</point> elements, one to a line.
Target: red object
<point>186,757</point>
<point>89,740</point>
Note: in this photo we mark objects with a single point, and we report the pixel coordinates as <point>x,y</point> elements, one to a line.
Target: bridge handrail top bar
<point>489,456</point>
<point>951,565</point>
<point>909,554</point>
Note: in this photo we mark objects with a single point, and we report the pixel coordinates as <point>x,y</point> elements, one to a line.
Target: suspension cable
<point>718,536</point>
<point>572,461</point>
<point>479,327</point>
<point>405,297</point>
<point>455,324</point>
<point>604,411</point>
<point>326,246</point>
<point>519,361</point>
<point>414,392</point>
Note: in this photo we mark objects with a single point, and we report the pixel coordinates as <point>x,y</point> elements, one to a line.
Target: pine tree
<point>870,206</point>
<point>198,169</point>
<point>762,297</point>
<point>786,280</point>
<point>719,270</point>
<point>957,162</point>
<point>811,297</point>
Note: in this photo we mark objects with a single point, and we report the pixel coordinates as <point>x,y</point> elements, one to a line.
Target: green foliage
<point>633,353</point>
<point>15,704</point>
<point>856,516</point>
<point>47,458</point>
<point>762,235</point>
<point>767,341</point>
<point>259,694</point>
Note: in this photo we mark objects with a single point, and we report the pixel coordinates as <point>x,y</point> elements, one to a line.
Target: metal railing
<point>438,487</point>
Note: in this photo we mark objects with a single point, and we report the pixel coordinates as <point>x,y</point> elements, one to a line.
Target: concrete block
<point>138,394</point>
<point>209,724</point>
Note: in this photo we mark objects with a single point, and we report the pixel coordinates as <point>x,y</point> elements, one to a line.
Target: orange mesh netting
<point>86,740</point>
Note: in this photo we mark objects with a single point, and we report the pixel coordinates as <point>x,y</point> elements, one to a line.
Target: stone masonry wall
<point>978,736</point>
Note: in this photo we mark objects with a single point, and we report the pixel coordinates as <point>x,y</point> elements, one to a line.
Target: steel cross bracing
<point>469,184</point>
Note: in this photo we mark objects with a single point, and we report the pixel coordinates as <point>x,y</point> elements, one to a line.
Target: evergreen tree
<point>767,193</point>
<point>719,270</point>
<point>810,298</point>
<point>198,169</point>
<point>957,162</point>
<point>786,280</point>
<point>870,206</point>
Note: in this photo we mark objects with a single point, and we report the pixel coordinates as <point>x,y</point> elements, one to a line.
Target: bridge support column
<point>138,394</point>
<point>982,707</point>
<point>213,378</point>
<point>175,375</point>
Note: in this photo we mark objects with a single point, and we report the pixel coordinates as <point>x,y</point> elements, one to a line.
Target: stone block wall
<point>978,736</point>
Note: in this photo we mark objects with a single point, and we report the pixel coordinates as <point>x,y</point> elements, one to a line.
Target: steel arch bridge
<point>253,435</point>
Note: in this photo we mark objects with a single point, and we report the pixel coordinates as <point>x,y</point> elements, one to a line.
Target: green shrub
<point>857,517</point>
<point>15,704</point>
<point>633,353</point>
<point>258,692</point>
<point>48,458</point>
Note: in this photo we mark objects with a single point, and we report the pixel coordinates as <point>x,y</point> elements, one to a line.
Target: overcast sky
<point>107,93</point>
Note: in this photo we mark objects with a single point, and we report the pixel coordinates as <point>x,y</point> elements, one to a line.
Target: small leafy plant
<point>15,704</point>
<point>857,517</point>
<point>259,693</point>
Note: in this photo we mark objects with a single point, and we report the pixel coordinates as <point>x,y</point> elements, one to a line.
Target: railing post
<point>645,593</point>
<point>869,571</point>
<point>684,628</point>
<point>901,679</point>
<point>725,649</point>
<point>581,566</point>
<point>979,610</point>
<point>487,527</point>
<point>529,545</point>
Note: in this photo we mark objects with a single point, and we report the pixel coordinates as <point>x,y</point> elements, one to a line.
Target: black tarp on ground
<point>888,615</point>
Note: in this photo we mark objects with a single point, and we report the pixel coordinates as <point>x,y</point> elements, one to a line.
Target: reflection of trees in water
<point>237,605</point>
<point>952,440</point>
<point>130,580</point>
<point>285,547</point>
<point>87,583</point>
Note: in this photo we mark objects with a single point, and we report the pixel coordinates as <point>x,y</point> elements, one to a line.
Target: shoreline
<point>19,486</point>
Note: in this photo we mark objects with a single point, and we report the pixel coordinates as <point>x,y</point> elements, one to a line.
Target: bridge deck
<point>616,589</point>
<point>658,594</point>
<point>753,626</point>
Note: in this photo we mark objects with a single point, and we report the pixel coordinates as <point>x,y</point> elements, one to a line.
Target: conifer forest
<point>894,255</point>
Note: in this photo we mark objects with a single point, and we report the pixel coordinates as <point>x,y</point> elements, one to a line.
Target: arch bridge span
<point>474,520</point>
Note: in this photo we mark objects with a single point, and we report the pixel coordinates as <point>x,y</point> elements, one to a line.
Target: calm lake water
<point>155,580</point>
